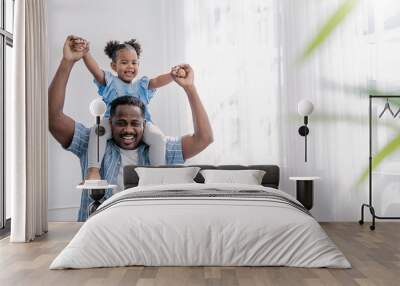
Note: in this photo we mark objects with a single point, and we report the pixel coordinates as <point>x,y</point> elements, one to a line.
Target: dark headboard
<point>270,179</point>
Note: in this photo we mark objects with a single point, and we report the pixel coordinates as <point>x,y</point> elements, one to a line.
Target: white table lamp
<point>97,188</point>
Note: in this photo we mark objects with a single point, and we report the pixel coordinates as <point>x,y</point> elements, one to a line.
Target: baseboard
<point>67,213</point>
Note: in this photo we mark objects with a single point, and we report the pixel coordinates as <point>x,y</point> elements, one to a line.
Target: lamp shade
<point>97,107</point>
<point>305,107</point>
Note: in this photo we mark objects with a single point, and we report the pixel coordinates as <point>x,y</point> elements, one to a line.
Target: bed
<point>201,224</point>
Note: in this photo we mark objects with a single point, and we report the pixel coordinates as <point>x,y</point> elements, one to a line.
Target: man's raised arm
<point>193,144</point>
<point>62,126</point>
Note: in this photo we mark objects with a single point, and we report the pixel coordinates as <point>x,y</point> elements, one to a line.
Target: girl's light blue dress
<point>116,87</point>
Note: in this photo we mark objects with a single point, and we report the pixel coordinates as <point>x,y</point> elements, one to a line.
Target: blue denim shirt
<point>112,160</point>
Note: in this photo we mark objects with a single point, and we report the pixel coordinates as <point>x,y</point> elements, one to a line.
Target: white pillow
<point>162,176</point>
<point>249,177</point>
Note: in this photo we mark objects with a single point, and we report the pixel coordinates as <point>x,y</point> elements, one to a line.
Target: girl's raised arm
<point>93,67</point>
<point>160,81</point>
<point>165,79</point>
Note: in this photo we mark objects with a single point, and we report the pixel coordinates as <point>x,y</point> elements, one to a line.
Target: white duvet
<point>200,231</point>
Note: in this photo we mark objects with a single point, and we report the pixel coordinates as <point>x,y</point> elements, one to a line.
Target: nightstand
<point>96,193</point>
<point>305,190</point>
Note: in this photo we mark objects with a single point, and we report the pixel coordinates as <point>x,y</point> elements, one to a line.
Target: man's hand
<point>186,81</point>
<point>75,48</point>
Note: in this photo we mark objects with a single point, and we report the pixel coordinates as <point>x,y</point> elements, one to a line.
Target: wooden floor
<point>374,255</point>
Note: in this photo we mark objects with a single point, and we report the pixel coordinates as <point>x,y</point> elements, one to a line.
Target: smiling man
<point>127,126</point>
<point>127,121</point>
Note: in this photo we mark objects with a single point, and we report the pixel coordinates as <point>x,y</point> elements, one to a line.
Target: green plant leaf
<point>386,151</point>
<point>343,10</point>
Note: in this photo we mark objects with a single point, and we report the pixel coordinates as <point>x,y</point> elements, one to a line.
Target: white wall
<point>99,22</point>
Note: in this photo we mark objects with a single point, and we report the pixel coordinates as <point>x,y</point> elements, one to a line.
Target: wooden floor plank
<point>374,255</point>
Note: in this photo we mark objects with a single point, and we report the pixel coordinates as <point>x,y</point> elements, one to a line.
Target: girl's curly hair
<point>112,48</point>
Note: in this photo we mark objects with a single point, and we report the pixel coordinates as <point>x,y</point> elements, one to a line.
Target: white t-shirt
<point>128,157</point>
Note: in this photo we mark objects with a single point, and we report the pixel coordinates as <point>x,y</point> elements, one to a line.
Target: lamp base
<point>100,130</point>
<point>303,130</point>
<point>97,196</point>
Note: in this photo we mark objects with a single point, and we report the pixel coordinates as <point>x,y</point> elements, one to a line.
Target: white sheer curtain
<point>244,54</point>
<point>338,143</point>
<point>232,47</point>
<point>27,123</point>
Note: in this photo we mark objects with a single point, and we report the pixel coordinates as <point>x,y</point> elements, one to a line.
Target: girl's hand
<point>75,48</point>
<point>80,45</point>
<point>178,71</point>
<point>183,75</point>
